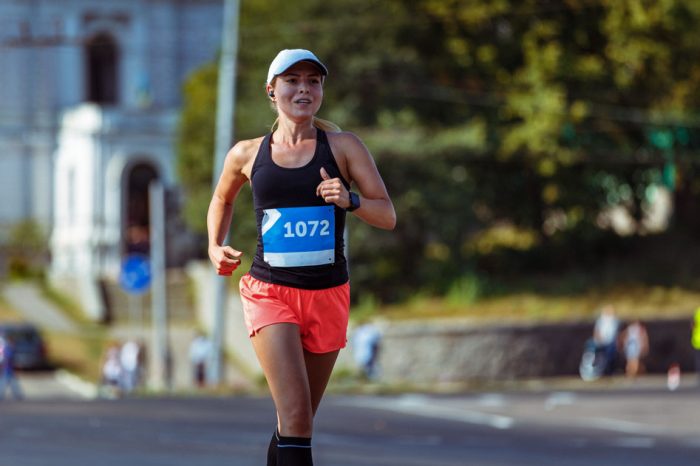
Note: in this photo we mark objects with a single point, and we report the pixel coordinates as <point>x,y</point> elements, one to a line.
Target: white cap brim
<point>290,57</point>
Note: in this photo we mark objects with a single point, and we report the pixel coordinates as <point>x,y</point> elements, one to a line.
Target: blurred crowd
<point>122,368</point>
<point>614,344</point>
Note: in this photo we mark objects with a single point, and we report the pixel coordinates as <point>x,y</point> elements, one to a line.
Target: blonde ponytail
<point>320,123</point>
<point>327,126</point>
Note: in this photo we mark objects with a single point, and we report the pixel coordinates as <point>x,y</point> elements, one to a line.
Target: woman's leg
<point>279,350</point>
<point>281,357</point>
<point>319,368</point>
<point>297,378</point>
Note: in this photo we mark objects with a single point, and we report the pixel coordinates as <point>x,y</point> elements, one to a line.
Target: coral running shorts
<point>322,315</point>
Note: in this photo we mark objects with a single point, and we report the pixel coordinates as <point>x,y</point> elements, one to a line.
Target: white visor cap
<point>289,57</point>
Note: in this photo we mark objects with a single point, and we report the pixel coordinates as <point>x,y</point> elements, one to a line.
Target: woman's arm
<point>224,258</point>
<point>376,207</point>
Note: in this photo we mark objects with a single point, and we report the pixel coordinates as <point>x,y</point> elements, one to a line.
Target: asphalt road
<point>622,426</point>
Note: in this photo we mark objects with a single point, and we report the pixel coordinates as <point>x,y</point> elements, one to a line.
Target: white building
<point>89,98</point>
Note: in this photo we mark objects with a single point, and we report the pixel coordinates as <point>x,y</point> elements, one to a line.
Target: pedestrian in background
<point>111,371</point>
<point>695,342</point>
<point>130,361</point>
<point>605,334</point>
<point>296,296</point>
<point>635,346</point>
<point>366,343</point>
<point>7,370</point>
<point>200,352</point>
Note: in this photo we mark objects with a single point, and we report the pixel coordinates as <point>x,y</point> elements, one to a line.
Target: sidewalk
<point>27,299</point>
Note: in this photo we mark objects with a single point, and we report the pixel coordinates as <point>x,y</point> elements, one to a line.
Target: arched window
<point>102,59</point>
<point>137,221</point>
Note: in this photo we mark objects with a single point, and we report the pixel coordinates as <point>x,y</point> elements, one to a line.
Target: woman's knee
<point>296,422</point>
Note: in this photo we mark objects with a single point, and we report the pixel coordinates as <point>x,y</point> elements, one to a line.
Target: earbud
<point>271,93</point>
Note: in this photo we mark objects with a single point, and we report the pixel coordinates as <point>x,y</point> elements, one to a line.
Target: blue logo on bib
<point>299,236</point>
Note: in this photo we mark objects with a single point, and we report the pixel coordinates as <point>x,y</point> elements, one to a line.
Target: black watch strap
<point>354,202</point>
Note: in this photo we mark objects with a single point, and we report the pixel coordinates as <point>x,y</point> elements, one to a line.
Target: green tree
<point>27,250</point>
<point>195,145</point>
<point>528,117</point>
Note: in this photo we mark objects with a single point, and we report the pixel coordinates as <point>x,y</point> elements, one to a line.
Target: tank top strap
<point>264,155</point>
<point>327,159</point>
<point>324,149</point>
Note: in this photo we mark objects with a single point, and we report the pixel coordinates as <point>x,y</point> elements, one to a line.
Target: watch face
<point>354,201</point>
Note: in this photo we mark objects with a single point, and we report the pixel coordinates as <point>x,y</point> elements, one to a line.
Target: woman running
<point>296,296</point>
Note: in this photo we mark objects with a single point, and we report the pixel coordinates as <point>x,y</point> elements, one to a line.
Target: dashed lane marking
<point>421,406</point>
<point>633,442</point>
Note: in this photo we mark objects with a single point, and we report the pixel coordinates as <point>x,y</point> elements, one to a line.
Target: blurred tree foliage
<point>503,128</point>
<point>27,251</point>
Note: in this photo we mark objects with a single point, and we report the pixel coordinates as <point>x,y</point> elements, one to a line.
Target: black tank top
<point>300,237</point>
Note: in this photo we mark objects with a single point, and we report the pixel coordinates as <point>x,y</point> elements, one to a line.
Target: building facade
<point>89,102</point>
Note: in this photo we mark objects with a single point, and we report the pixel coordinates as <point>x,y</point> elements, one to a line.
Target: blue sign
<point>135,276</point>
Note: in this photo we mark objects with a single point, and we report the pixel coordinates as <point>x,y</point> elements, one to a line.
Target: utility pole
<point>225,111</point>
<point>160,358</point>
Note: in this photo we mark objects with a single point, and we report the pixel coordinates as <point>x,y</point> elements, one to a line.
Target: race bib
<point>299,236</point>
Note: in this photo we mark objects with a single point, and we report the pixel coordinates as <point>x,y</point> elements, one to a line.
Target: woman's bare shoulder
<point>242,154</point>
<point>346,143</point>
<point>246,148</point>
<point>343,137</point>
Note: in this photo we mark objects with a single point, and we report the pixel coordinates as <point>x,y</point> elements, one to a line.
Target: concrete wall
<point>456,352</point>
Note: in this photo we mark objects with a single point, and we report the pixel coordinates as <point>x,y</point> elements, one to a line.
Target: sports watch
<point>354,202</point>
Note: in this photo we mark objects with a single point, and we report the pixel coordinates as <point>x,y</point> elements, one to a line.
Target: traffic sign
<point>135,276</point>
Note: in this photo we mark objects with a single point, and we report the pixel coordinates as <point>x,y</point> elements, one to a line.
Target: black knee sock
<point>272,450</point>
<point>294,451</point>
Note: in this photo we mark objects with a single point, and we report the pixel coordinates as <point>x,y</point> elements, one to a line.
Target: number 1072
<point>307,228</point>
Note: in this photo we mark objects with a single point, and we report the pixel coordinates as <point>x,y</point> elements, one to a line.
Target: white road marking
<point>492,400</point>
<point>420,406</point>
<point>639,435</point>
<point>559,399</point>
<point>633,442</point>
<point>617,425</point>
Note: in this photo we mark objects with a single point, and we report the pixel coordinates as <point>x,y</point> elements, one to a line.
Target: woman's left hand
<point>332,191</point>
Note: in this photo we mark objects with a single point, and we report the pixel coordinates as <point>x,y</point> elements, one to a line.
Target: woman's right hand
<point>225,259</point>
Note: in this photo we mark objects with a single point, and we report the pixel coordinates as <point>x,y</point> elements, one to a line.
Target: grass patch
<point>64,302</point>
<point>630,301</point>
<point>7,313</point>
<point>79,354</point>
<point>367,307</point>
<point>655,277</point>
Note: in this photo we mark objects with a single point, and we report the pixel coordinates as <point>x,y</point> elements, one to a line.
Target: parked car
<point>30,349</point>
